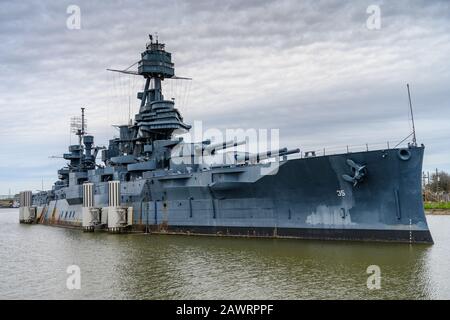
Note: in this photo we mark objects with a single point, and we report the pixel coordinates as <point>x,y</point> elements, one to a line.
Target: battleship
<point>149,180</point>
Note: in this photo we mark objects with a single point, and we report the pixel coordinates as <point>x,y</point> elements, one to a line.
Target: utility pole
<point>437,181</point>
<point>423,179</point>
<point>424,186</point>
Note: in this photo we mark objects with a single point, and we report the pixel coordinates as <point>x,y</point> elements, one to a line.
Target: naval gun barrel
<point>265,155</point>
<point>212,148</point>
<point>260,156</point>
<point>292,151</point>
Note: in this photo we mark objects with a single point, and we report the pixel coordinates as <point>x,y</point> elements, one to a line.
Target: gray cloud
<point>310,68</point>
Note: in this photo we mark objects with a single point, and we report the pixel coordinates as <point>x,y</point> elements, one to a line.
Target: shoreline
<point>437,212</point>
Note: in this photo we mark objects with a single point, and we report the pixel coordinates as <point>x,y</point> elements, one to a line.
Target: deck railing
<point>331,150</point>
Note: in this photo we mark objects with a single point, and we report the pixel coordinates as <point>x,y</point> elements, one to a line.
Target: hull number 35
<point>340,193</point>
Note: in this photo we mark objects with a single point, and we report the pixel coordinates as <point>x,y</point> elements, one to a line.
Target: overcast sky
<point>312,69</point>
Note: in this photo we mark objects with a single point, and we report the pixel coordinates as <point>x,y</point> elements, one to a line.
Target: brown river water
<point>34,261</point>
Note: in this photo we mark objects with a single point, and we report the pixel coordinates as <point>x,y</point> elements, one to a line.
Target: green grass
<point>437,205</point>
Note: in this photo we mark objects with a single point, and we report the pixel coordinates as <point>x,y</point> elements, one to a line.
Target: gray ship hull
<point>307,198</point>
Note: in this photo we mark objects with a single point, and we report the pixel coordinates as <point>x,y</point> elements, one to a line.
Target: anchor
<point>359,171</point>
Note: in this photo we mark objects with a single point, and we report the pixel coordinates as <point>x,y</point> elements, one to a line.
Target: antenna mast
<point>412,117</point>
<point>82,123</point>
<point>78,126</point>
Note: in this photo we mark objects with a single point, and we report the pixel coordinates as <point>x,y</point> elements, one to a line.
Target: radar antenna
<point>78,126</point>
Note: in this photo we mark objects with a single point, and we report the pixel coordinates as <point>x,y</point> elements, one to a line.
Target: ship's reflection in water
<point>34,260</point>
